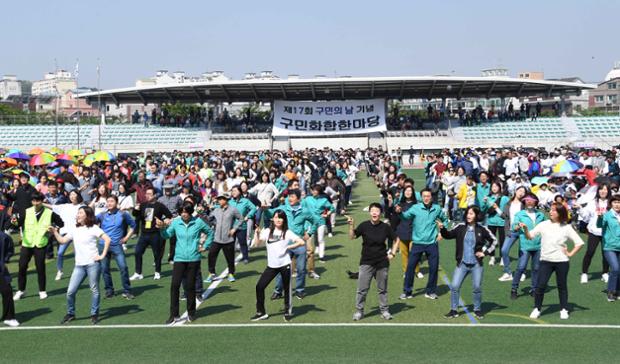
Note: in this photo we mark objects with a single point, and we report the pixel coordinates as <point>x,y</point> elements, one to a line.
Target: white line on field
<point>316,325</point>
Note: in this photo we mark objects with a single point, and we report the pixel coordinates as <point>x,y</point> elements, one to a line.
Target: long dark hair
<point>282,215</point>
<point>90,219</point>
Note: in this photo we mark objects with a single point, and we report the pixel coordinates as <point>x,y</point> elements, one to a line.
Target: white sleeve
<point>573,236</point>
<point>264,235</point>
<point>291,236</point>
<point>537,230</point>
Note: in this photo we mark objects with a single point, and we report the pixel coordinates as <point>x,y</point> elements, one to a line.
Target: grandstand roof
<point>423,87</point>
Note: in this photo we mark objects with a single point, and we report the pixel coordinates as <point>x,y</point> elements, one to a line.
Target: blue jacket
<point>115,225</point>
<point>245,208</point>
<point>318,205</point>
<point>526,244</point>
<point>188,238</point>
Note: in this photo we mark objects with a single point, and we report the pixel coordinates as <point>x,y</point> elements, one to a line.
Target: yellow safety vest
<point>35,231</point>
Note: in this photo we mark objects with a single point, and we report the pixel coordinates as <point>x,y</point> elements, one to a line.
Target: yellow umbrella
<point>89,160</point>
<point>75,153</point>
<point>56,150</point>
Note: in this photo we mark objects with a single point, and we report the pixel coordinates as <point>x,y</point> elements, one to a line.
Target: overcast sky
<point>133,39</point>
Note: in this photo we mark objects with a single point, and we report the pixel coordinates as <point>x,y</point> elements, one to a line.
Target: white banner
<point>307,118</point>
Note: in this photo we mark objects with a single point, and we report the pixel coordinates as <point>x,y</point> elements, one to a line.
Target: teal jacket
<point>424,227</point>
<point>611,231</point>
<point>300,219</point>
<point>525,244</point>
<point>481,193</point>
<point>188,238</point>
<point>245,208</point>
<point>318,205</point>
<point>495,219</point>
<point>280,184</point>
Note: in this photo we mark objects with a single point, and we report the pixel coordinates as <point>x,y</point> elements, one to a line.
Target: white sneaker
<point>535,314</point>
<point>313,275</point>
<point>492,261</point>
<point>605,277</point>
<point>294,275</point>
<point>11,323</point>
<point>58,275</point>
<point>330,235</point>
<point>522,277</point>
<point>136,276</point>
<point>420,275</point>
<point>42,295</point>
<point>564,315</point>
<point>584,278</point>
<point>501,262</point>
<point>350,203</point>
<point>505,277</point>
<point>18,295</point>
<point>157,276</point>
<point>124,247</point>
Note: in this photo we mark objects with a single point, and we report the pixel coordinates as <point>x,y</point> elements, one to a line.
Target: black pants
<point>502,237</point>
<point>544,274</point>
<point>171,249</point>
<point>593,242</point>
<point>49,251</point>
<point>8,306</point>
<point>153,239</point>
<point>268,275</point>
<point>25,254</point>
<point>183,271</point>
<point>229,254</point>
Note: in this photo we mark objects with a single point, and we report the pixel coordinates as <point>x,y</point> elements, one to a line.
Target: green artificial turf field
<point>329,300</point>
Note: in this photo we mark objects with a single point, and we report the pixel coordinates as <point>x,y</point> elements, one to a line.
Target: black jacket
<point>7,249</point>
<point>485,240</point>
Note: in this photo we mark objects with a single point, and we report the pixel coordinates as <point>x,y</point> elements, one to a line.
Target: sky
<point>133,39</point>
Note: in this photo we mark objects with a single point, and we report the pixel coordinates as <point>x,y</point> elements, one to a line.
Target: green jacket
<point>188,238</point>
<point>525,244</point>
<point>300,219</point>
<point>611,231</point>
<point>481,193</point>
<point>318,205</point>
<point>424,227</point>
<point>495,219</point>
<point>245,208</point>
<point>35,231</point>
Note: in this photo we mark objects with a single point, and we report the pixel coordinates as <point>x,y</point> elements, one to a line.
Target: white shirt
<point>553,237</point>
<point>68,214</point>
<point>511,166</point>
<point>277,252</point>
<point>125,203</point>
<point>514,208</point>
<point>85,240</point>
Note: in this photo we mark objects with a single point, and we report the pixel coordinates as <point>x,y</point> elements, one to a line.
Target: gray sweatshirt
<point>225,219</point>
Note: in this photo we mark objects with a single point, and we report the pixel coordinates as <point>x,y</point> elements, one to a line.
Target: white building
<point>10,86</point>
<point>54,84</point>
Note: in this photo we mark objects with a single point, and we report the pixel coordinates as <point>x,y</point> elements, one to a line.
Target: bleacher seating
<point>541,129</point>
<point>601,127</point>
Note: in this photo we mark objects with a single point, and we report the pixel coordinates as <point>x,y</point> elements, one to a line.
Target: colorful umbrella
<point>42,159</point>
<point>9,161</point>
<point>75,152</point>
<point>56,171</point>
<point>56,150</point>
<point>89,160</point>
<point>65,159</point>
<point>2,150</point>
<point>539,180</point>
<point>569,166</point>
<point>35,151</point>
<point>18,155</point>
<point>103,156</point>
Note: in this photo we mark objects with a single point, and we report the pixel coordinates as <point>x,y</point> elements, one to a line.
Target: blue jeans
<point>415,254</point>
<point>613,258</point>
<point>61,255</point>
<point>508,242</point>
<point>523,259</point>
<point>242,238</point>
<point>115,251</point>
<point>460,272</point>
<point>300,282</point>
<point>93,271</point>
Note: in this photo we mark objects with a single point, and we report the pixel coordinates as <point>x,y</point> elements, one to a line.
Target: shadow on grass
<point>138,290</point>
<point>553,308</point>
<point>312,290</point>
<point>304,309</point>
<point>219,290</point>
<point>29,315</point>
<point>441,290</point>
<point>394,308</point>
<point>246,274</point>
<point>333,256</point>
<point>333,247</point>
<point>205,310</point>
<point>492,306</point>
<point>121,311</point>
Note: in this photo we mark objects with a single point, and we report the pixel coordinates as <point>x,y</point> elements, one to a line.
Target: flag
<point>76,72</point>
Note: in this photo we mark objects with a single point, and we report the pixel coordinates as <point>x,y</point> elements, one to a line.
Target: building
<point>10,87</point>
<point>532,75</point>
<point>54,84</point>
<point>70,106</point>
<point>607,94</point>
<point>163,77</point>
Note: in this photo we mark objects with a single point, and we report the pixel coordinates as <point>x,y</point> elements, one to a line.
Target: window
<point>599,99</point>
<point>612,99</point>
<point>612,86</point>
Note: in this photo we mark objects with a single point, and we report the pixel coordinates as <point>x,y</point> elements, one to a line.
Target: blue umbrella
<point>19,155</point>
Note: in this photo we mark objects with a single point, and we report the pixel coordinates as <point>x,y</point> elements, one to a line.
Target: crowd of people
<point>190,204</point>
